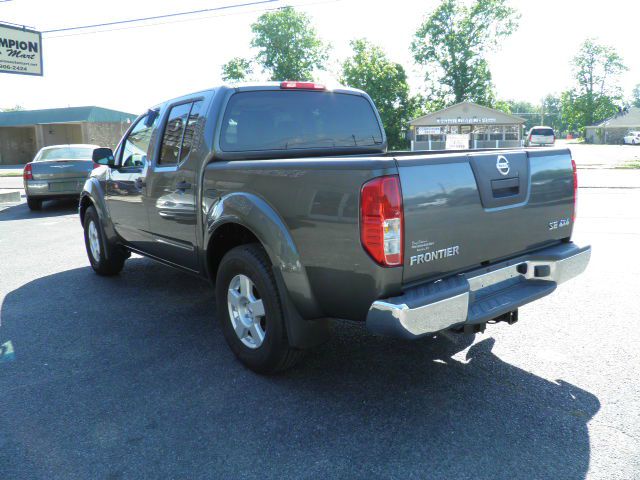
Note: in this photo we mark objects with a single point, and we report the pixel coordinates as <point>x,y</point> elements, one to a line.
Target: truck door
<point>125,186</point>
<point>172,187</point>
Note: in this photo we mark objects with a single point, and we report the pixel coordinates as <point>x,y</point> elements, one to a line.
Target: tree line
<point>451,47</point>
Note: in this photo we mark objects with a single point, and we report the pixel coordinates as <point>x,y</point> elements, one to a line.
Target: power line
<point>302,4</point>
<point>2,22</point>
<point>157,17</point>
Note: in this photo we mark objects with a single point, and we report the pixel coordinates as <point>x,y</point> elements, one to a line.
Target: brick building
<point>613,130</point>
<point>24,132</point>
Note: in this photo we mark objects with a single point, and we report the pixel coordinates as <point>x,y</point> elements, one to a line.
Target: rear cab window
<point>66,153</point>
<point>293,120</point>
<point>545,132</point>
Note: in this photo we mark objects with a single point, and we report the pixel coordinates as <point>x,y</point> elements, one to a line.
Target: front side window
<point>136,146</point>
<point>179,133</point>
<point>285,120</point>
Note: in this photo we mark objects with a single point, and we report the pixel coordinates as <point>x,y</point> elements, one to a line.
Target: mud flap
<point>302,333</point>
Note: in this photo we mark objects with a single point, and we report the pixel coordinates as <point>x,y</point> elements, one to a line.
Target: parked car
<point>58,171</point>
<point>541,136</point>
<point>285,197</point>
<point>632,138</point>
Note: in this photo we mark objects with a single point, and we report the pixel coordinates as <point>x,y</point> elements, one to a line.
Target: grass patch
<point>10,174</point>
<point>630,165</point>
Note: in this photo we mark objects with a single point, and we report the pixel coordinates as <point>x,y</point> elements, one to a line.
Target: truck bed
<point>454,221</point>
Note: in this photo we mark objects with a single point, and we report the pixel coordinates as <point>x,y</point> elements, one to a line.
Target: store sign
<point>428,130</point>
<point>457,142</point>
<point>461,120</point>
<point>20,51</point>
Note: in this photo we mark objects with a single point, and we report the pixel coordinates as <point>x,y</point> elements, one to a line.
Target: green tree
<point>287,48</point>
<point>453,41</point>
<point>551,114</point>
<point>15,108</point>
<point>237,69</point>
<point>523,109</point>
<point>570,111</point>
<point>597,94</point>
<point>636,96</point>
<point>288,45</point>
<point>370,70</point>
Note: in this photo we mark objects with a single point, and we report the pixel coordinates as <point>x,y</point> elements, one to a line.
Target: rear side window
<point>284,120</point>
<point>547,132</point>
<point>179,133</point>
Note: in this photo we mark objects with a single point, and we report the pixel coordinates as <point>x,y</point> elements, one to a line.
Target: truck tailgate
<point>470,209</point>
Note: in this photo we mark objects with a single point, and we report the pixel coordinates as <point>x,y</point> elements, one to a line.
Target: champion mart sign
<point>20,51</point>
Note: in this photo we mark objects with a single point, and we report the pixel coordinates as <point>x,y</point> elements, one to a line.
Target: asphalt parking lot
<point>129,377</point>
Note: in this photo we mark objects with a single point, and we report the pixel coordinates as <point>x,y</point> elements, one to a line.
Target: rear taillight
<point>381,220</point>
<point>575,190</point>
<point>294,85</point>
<point>27,173</point>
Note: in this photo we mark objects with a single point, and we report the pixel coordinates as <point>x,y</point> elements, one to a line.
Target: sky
<point>133,69</point>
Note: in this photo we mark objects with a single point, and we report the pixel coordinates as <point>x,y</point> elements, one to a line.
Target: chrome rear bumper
<point>479,295</point>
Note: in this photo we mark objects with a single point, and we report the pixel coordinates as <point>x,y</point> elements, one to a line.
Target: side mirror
<point>103,156</point>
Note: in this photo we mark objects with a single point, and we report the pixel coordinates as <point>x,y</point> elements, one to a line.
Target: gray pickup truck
<point>284,196</point>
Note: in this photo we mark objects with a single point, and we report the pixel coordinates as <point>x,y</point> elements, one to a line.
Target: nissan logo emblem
<point>502,164</point>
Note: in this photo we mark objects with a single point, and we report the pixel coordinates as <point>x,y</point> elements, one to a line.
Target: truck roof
<point>248,86</point>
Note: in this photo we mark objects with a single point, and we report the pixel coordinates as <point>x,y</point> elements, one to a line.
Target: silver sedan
<point>58,171</point>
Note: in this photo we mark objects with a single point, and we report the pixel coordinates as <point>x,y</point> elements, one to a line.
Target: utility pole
<point>542,113</point>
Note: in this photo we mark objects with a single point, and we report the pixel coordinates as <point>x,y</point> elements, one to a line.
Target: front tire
<point>105,259</point>
<point>34,203</point>
<point>250,313</point>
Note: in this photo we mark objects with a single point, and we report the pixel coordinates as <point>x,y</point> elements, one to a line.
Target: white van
<point>541,136</point>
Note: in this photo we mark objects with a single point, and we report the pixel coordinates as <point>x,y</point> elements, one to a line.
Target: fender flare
<point>255,214</point>
<point>94,193</point>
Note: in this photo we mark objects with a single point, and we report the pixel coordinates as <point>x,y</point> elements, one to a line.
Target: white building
<point>466,123</point>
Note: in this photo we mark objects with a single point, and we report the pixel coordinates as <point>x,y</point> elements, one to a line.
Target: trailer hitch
<point>509,317</point>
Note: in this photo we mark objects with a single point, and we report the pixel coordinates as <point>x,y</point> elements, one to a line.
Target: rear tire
<point>34,203</point>
<point>250,313</point>
<point>105,259</point>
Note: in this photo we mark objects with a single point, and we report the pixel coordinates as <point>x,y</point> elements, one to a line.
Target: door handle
<point>140,182</point>
<point>183,185</point>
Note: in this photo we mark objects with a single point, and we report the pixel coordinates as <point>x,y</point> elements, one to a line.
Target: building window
<point>433,138</point>
<point>481,133</point>
<point>511,132</point>
<point>496,133</point>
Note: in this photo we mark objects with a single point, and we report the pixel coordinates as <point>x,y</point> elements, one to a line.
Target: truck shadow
<point>50,208</point>
<point>117,376</point>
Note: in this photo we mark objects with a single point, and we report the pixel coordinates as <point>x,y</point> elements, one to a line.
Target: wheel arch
<point>93,196</point>
<point>244,217</point>
<point>85,203</point>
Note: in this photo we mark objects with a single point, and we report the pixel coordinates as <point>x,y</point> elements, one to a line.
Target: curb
<point>10,197</point>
